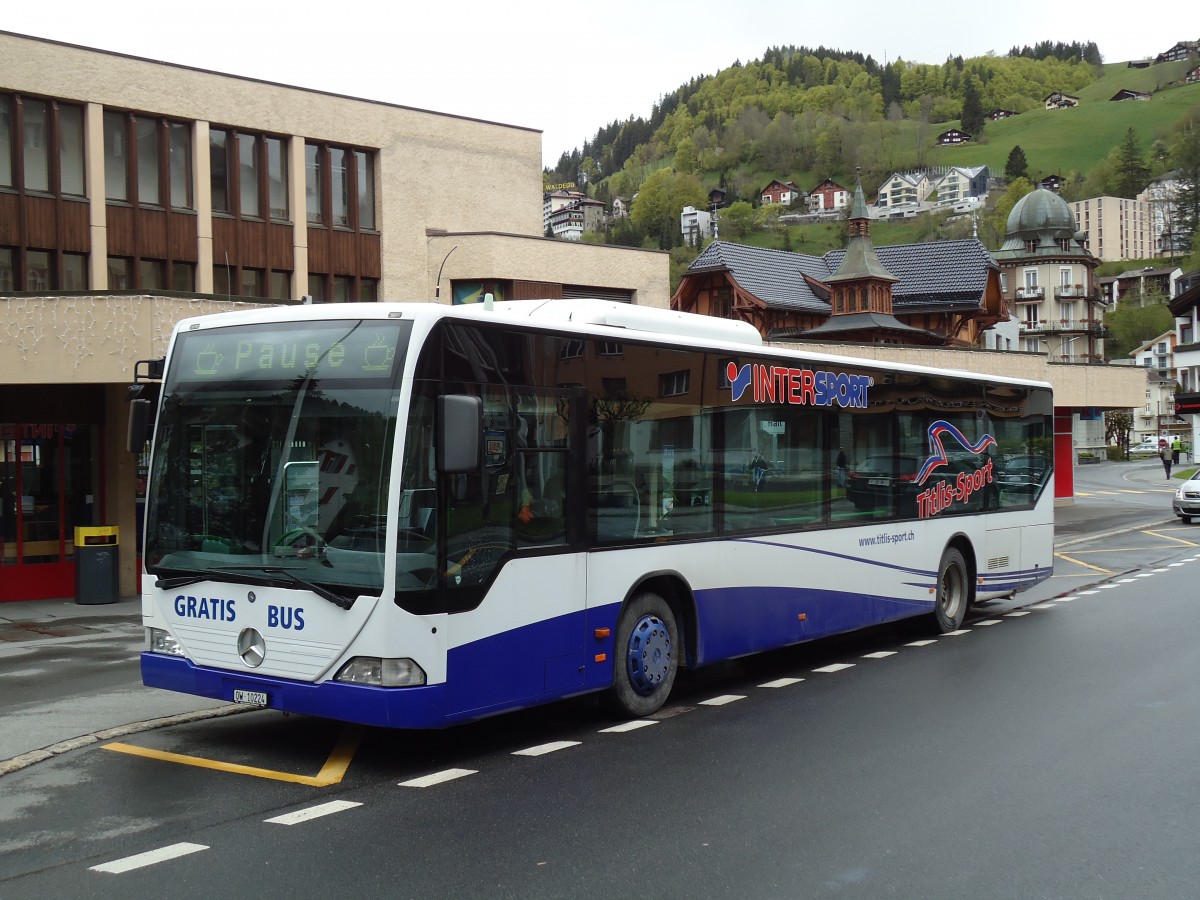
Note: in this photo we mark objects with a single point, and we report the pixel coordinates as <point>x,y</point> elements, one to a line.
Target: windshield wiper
<point>287,571</point>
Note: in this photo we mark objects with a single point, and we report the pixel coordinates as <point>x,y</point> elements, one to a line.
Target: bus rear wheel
<point>647,656</point>
<point>953,591</point>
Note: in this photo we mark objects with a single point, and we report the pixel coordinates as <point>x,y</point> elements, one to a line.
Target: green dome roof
<point>1041,210</point>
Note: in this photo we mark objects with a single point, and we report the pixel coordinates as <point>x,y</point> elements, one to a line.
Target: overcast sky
<point>561,67</point>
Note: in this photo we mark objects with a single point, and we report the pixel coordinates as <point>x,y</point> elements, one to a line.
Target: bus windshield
<point>273,452</point>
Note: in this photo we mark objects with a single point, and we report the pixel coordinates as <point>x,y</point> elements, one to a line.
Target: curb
<point>17,763</point>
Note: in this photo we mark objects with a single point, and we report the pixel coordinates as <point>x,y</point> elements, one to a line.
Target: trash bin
<point>96,570</point>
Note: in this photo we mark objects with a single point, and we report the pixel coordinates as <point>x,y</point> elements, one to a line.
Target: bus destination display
<point>337,349</point>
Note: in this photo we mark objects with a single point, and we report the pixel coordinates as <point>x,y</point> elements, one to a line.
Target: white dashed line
<point>1016,615</point>
<point>543,749</point>
<point>879,654</point>
<point>1127,581</point>
<point>983,622</point>
<point>149,858</point>
<point>313,812</point>
<point>836,667</point>
<point>920,643</point>
<point>723,699</point>
<point>959,632</point>
<point>438,778</point>
<point>631,725</point>
<point>1144,575</point>
<point>781,683</point>
<point>1106,587</point>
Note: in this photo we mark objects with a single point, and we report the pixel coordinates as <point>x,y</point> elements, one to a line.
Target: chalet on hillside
<point>953,136</point>
<point>1051,183</point>
<point>1193,75</point>
<point>716,199</point>
<point>997,114</point>
<point>1126,94</point>
<point>1181,50</point>
<point>780,192</point>
<point>1139,63</point>
<point>1059,100</point>
<point>828,195</point>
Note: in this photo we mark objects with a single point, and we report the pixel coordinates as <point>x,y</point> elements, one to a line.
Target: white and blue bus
<point>413,515</point>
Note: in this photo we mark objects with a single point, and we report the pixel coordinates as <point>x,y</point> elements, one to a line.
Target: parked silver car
<point>1186,501</point>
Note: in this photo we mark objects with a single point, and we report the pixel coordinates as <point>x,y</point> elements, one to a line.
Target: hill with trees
<point>803,114</point>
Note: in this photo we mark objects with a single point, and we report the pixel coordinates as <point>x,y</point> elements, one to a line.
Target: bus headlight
<point>379,672</point>
<point>160,641</point>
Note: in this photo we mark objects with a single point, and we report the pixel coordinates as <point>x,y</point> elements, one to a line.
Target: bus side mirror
<point>459,434</point>
<point>139,425</point>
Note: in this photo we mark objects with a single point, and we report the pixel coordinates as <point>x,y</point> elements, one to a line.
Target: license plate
<point>250,698</point>
<point>878,482</point>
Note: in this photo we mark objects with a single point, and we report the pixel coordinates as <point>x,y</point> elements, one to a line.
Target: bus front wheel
<point>953,592</point>
<point>647,656</point>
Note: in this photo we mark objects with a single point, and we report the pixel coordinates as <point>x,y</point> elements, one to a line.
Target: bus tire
<point>646,656</point>
<point>953,591</point>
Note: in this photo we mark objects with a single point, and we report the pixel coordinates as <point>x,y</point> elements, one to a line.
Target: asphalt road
<point>1044,752</point>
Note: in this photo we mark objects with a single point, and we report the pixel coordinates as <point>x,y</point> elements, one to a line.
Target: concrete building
<point>134,193</point>
<point>1116,228</point>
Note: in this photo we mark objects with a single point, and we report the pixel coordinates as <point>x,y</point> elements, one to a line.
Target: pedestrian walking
<point>1165,455</point>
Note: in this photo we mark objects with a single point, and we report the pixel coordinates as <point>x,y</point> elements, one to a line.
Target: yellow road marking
<point>331,773</point>
<point>1080,562</point>
<point>1169,538</point>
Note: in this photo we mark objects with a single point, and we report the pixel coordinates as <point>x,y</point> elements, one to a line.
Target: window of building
<point>218,168</point>
<point>312,185</point>
<point>180,164</point>
<point>281,288</point>
<point>674,384</point>
<point>183,277</point>
<point>37,154</point>
<point>74,271</point>
<point>70,150</point>
<point>248,169</point>
<point>368,289</point>
<point>1064,277</point>
<point>39,276</point>
<point>151,274</point>
<point>277,178</point>
<point>366,190</point>
<point>147,159</point>
<point>31,132</point>
<point>120,273</point>
<point>249,174</point>
<point>116,174</point>
<point>340,186</point>
<point>6,150</point>
<point>252,281</point>
<point>8,269</point>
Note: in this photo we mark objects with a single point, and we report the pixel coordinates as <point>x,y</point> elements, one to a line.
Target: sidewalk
<point>48,708</point>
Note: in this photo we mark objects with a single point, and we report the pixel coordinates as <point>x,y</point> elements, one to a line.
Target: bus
<point>413,515</point>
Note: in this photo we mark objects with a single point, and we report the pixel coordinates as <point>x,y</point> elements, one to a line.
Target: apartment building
<point>1116,228</point>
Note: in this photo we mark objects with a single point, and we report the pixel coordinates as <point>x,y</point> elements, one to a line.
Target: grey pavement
<point>69,672</point>
<point>69,677</point>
